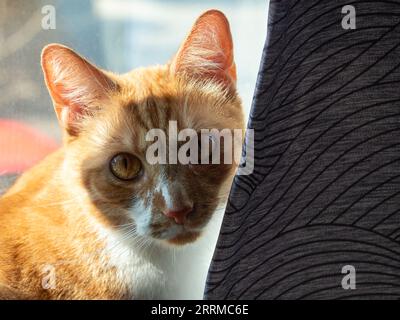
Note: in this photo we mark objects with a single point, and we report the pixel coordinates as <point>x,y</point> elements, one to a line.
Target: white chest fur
<point>160,272</point>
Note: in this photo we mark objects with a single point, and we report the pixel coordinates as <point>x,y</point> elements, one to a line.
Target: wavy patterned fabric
<point>325,191</point>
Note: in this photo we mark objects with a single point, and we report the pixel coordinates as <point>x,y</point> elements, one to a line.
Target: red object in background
<point>22,146</point>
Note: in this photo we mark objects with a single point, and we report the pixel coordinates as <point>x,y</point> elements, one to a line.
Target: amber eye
<point>125,166</point>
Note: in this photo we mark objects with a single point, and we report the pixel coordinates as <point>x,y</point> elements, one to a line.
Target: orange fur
<point>63,212</point>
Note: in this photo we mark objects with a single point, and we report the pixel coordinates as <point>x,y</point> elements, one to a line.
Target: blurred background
<point>116,35</point>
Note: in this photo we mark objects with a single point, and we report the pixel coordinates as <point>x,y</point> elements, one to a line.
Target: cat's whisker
<point>140,244</point>
<point>130,224</point>
<point>51,204</point>
<point>57,203</point>
<point>127,236</point>
<point>173,256</point>
<point>128,233</point>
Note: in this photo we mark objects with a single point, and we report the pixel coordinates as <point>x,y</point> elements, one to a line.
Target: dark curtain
<point>321,211</point>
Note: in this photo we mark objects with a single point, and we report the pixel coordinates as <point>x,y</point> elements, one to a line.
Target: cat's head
<point>106,118</point>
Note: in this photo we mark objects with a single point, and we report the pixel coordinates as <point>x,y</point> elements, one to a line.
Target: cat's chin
<point>183,238</point>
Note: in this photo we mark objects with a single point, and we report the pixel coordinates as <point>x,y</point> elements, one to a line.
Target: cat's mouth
<point>172,230</point>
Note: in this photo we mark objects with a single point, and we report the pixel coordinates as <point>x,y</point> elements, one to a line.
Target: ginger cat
<point>95,220</point>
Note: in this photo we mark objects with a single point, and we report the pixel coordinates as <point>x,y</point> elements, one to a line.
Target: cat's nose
<point>179,215</point>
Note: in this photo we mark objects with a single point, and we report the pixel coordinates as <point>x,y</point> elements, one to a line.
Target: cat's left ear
<point>76,86</point>
<point>207,52</point>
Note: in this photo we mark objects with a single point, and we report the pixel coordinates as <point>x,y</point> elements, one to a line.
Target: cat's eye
<point>125,166</point>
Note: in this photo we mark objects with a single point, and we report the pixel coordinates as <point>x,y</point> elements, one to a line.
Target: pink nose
<point>179,215</point>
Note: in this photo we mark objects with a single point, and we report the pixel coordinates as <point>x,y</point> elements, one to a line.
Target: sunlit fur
<point>107,238</point>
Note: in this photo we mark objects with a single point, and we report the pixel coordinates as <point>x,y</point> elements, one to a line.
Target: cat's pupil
<point>125,166</point>
<point>125,163</point>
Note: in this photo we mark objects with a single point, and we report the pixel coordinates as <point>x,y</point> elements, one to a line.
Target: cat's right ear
<point>76,86</point>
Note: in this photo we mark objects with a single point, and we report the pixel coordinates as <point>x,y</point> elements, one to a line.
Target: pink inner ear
<point>74,84</point>
<point>208,50</point>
